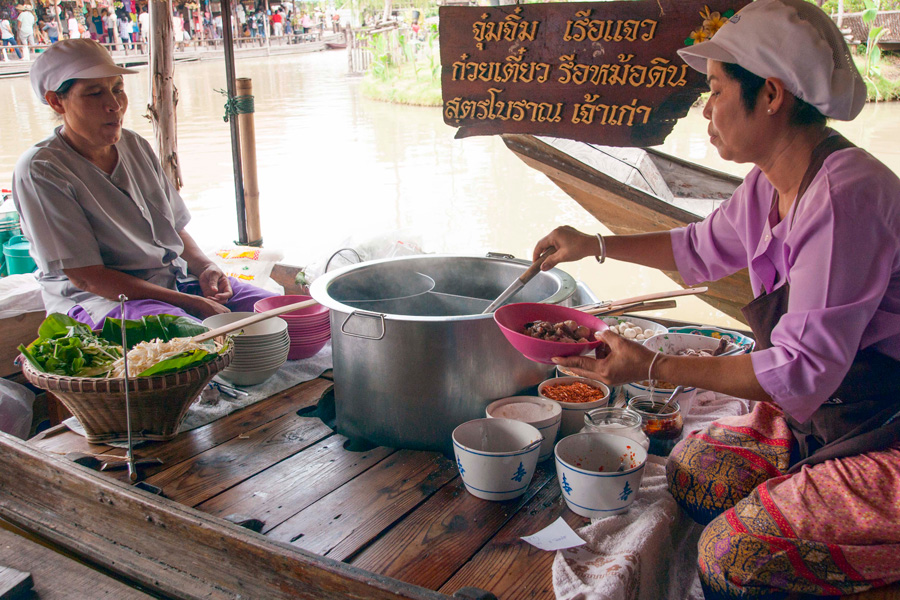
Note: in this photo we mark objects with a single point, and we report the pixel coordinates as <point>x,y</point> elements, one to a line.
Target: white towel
<point>649,552</point>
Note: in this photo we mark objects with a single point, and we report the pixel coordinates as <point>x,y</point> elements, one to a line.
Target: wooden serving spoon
<point>213,333</point>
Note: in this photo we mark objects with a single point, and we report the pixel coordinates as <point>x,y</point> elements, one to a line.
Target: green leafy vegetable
<point>67,347</point>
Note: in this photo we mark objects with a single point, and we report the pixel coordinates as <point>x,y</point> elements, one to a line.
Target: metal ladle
<point>675,392</point>
<point>519,283</point>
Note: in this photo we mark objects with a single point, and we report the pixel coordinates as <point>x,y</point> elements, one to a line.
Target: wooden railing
<point>361,46</point>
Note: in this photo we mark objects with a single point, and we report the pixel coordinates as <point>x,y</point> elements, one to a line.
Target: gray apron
<point>861,415</point>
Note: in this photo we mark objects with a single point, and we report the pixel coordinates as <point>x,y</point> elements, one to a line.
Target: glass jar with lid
<point>616,420</point>
<point>663,429</point>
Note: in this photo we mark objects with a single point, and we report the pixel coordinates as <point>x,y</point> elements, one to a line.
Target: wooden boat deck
<point>398,513</point>
<point>383,523</point>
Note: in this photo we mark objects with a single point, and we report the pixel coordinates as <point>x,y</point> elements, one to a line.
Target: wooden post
<point>244,87</point>
<point>267,30</point>
<point>56,9</point>
<point>233,126</point>
<point>163,95</point>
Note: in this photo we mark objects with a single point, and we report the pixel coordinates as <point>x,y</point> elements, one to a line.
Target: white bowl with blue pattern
<point>496,457</point>
<point>587,466</point>
<point>545,417</point>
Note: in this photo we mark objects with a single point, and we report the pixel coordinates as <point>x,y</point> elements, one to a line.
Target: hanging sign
<point>601,72</point>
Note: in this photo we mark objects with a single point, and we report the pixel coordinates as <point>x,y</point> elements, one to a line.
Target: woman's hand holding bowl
<point>623,361</point>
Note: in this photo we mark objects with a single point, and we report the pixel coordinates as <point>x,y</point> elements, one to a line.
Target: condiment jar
<point>664,430</point>
<point>619,421</point>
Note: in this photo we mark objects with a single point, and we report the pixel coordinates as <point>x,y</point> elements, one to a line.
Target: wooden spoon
<point>212,333</point>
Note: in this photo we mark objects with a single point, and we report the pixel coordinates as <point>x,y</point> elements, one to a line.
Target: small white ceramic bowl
<point>644,325</point>
<point>671,343</point>
<point>541,413</point>
<point>496,457</point>
<point>573,412</point>
<point>587,468</point>
<point>273,326</point>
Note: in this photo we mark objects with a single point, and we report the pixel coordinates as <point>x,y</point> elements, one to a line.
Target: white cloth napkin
<point>649,552</point>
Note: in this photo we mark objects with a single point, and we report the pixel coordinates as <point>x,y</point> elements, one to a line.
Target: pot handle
<point>363,313</point>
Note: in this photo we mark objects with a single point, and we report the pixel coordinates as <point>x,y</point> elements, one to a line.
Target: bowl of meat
<point>543,331</point>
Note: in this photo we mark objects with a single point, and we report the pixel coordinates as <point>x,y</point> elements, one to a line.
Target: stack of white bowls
<point>309,329</point>
<point>259,349</point>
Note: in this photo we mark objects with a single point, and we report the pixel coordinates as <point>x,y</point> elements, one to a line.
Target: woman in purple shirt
<point>803,494</point>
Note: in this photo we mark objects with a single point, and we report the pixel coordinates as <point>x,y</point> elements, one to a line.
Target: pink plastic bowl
<point>316,311</point>
<point>513,317</point>
<point>310,339</point>
<point>299,352</point>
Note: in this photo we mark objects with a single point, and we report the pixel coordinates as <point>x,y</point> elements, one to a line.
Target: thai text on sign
<point>602,72</point>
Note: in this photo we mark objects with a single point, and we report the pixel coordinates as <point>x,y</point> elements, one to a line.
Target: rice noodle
<point>146,354</point>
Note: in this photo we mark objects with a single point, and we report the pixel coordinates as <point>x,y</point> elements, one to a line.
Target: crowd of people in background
<point>25,30</point>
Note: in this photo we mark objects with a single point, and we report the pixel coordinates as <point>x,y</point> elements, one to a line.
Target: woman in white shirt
<point>73,27</point>
<point>6,36</point>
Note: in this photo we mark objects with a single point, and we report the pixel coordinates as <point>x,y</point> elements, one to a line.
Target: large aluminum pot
<point>413,359</point>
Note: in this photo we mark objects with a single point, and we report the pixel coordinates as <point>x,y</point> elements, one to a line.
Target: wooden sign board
<point>601,72</point>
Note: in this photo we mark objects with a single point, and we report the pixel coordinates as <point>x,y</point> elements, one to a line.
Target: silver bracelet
<point>650,368</point>
<point>602,243</point>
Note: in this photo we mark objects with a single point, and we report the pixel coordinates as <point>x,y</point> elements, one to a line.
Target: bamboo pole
<point>56,9</point>
<point>235,131</point>
<point>244,87</point>
<point>266,29</point>
<point>163,95</point>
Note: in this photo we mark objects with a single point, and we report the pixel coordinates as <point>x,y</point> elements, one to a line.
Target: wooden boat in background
<point>637,190</point>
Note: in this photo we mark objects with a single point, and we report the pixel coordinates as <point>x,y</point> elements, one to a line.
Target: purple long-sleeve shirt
<point>840,253</point>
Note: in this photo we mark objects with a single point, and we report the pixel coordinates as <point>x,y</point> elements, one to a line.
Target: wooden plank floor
<point>400,513</point>
<point>57,577</point>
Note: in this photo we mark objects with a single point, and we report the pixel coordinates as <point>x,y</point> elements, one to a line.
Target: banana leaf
<point>149,328</point>
<point>187,360</point>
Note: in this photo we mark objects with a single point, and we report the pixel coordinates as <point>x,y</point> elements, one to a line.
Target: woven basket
<point>158,404</point>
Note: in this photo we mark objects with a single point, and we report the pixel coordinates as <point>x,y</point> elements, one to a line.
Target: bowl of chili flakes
<point>576,396</point>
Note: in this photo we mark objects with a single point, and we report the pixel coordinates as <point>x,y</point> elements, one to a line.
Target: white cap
<point>79,58</point>
<point>794,41</point>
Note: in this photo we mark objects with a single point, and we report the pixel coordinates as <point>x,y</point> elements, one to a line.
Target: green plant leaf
<point>149,328</point>
<point>179,362</point>
<point>67,347</point>
<point>58,325</point>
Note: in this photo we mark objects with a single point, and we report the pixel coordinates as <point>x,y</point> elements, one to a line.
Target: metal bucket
<point>410,365</point>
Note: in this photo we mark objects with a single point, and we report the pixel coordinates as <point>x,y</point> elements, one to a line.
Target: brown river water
<point>336,168</point>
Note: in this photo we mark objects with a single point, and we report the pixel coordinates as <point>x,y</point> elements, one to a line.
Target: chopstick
<point>636,307</point>
<point>610,304</point>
